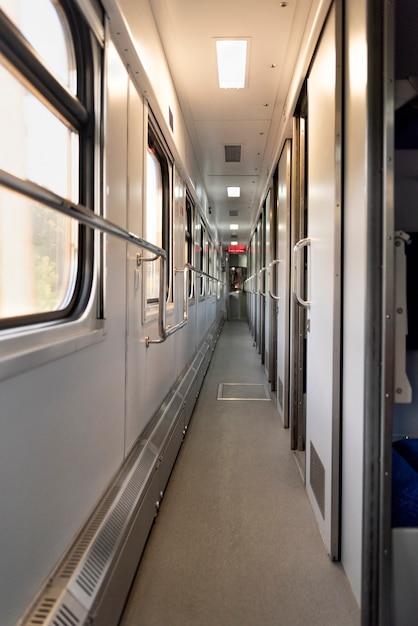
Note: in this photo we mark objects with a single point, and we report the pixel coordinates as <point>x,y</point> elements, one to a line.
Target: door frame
<point>379,344</point>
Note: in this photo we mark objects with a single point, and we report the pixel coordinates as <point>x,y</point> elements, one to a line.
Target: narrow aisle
<point>235,541</point>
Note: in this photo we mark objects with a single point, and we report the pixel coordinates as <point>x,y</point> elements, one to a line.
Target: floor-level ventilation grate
<point>317,479</point>
<point>243,391</point>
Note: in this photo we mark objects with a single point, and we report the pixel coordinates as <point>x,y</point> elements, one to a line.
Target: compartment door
<point>324,290</point>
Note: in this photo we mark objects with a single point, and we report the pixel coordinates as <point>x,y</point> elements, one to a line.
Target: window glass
<point>154,214</point>
<point>39,247</point>
<point>35,144</point>
<point>188,252</point>
<point>211,282</point>
<point>38,257</point>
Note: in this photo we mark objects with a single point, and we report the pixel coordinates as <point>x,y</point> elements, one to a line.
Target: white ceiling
<point>217,117</point>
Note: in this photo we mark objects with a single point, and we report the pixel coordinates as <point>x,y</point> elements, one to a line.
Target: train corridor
<point>235,541</point>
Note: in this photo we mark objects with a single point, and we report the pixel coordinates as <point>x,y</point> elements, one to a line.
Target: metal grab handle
<point>163,330</point>
<point>303,243</point>
<point>260,273</point>
<point>272,264</point>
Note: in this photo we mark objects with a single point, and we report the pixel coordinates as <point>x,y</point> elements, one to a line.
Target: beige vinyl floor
<point>235,542</point>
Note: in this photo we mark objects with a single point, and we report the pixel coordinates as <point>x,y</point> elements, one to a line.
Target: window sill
<point>22,350</point>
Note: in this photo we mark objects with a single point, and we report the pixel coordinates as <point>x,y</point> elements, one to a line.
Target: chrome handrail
<point>164,330</point>
<point>201,272</point>
<point>76,211</point>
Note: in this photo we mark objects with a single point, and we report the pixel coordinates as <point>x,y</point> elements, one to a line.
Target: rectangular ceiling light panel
<point>232,62</point>
<point>233,192</point>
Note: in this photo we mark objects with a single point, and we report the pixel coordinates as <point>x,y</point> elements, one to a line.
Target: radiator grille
<point>99,556</point>
<point>42,611</point>
<point>65,617</point>
<point>317,479</point>
<point>67,612</point>
<point>163,429</point>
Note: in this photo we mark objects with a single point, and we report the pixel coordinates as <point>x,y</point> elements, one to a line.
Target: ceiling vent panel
<point>233,213</point>
<point>232,154</point>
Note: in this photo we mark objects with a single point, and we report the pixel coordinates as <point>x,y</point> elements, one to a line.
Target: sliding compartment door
<point>324,277</point>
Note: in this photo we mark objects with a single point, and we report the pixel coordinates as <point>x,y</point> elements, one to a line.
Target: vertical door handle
<point>260,274</point>
<point>303,243</point>
<point>271,291</point>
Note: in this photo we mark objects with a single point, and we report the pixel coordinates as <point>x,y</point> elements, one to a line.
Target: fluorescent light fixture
<point>233,192</point>
<point>233,227</point>
<point>234,243</point>
<point>232,62</point>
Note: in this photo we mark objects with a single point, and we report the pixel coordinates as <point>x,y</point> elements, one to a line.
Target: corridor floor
<point>235,542</point>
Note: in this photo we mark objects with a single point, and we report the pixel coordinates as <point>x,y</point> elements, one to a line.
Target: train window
<point>198,255</point>
<point>202,258</point>
<point>211,284</point>
<point>188,253</point>
<point>218,274</point>
<point>157,222</point>
<point>43,253</point>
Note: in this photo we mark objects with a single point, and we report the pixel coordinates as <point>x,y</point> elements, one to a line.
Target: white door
<point>323,276</point>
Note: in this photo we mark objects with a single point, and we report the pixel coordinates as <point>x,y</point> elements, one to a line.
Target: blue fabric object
<point>405,483</point>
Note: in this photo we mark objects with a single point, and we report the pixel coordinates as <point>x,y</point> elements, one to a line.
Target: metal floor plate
<point>243,391</point>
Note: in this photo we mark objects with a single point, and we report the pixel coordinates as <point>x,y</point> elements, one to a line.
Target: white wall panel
<point>150,69</point>
<point>136,419</point>
<point>62,424</point>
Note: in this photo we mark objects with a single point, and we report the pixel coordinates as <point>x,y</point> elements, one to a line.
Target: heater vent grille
<point>317,479</point>
<point>108,539</point>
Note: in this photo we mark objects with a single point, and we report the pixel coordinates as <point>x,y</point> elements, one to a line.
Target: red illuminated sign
<point>236,249</point>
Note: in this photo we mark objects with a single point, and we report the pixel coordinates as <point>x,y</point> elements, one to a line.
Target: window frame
<point>154,139</point>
